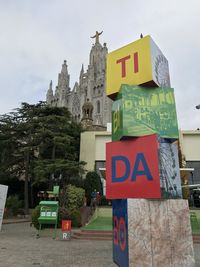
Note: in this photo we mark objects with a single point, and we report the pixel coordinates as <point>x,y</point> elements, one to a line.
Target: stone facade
<point>90,88</point>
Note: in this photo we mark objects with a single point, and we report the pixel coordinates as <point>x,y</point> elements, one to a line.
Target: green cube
<point>140,111</point>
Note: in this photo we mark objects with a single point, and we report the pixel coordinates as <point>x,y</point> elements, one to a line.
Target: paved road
<point>19,247</point>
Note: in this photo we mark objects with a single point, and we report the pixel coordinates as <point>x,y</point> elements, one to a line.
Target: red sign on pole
<point>132,168</point>
<point>66,225</point>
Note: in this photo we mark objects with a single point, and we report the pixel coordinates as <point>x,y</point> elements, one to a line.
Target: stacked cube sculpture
<point>142,167</point>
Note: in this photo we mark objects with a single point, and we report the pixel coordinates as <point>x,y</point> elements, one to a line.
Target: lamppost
<point>198,107</point>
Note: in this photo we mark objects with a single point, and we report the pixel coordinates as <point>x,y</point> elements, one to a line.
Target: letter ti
<point>123,65</point>
<point>123,61</point>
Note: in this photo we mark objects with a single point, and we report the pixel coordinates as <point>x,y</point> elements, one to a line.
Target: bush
<point>75,197</point>
<point>63,214</point>
<point>73,215</point>
<point>76,218</point>
<point>13,204</point>
<point>35,215</point>
<point>70,210</point>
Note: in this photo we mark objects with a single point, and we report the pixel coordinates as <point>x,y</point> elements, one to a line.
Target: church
<point>87,101</point>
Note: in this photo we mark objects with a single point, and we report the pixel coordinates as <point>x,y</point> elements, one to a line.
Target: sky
<point>36,36</point>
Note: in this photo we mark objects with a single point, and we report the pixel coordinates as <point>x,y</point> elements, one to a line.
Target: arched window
<point>98,107</point>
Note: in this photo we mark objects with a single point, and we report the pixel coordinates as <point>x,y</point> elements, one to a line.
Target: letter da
<point>115,161</point>
<point>145,172</point>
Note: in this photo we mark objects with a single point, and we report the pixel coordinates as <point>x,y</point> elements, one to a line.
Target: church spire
<point>50,86</point>
<point>81,73</point>
<point>63,77</point>
<point>49,96</point>
<point>82,69</point>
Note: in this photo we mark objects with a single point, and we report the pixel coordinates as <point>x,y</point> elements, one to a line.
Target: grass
<point>102,220</point>
<point>195,220</point>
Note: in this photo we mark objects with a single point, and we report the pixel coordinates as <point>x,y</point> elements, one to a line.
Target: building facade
<point>93,151</point>
<point>190,147</point>
<point>90,88</point>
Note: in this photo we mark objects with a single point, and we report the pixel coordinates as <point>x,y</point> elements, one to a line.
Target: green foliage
<point>35,215</point>
<point>38,141</point>
<point>43,169</point>
<point>92,182</point>
<point>71,199</point>
<point>67,214</point>
<point>76,218</point>
<point>75,197</point>
<point>63,214</point>
<point>13,204</point>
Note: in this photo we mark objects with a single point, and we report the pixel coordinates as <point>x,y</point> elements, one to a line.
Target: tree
<point>39,142</point>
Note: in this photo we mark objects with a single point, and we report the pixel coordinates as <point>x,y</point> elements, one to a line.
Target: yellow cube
<point>138,63</point>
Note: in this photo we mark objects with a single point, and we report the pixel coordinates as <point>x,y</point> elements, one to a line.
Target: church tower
<point>87,110</point>
<point>63,85</point>
<point>62,89</point>
<point>90,88</point>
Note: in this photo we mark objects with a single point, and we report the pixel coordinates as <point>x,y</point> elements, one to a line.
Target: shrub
<point>76,218</point>
<point>13,204</point>
<point>35,215</point>
<point>75,197</point>
<point>73,215</point>
<point>63,214</point>
<point>70,210</point>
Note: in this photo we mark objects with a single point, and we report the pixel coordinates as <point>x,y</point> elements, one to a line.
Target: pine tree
<point>37,143</point>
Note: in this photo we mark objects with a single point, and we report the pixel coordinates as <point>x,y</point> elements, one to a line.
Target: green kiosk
<point>48,214</point>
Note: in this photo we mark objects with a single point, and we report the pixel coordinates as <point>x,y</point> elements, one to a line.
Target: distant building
<point>87,101</point>
<point>190,146</point>
<point>93,151</point>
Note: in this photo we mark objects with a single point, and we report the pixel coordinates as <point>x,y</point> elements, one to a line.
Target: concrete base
<point>159,233</point>
<point>152,233</point>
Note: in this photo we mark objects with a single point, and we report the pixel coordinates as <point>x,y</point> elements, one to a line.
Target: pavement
<point>20,247</point>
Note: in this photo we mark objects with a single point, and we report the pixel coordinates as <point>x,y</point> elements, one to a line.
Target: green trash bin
<point>48,214</point>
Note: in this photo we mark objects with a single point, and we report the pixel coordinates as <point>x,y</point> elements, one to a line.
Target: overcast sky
<point>37,35</point>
